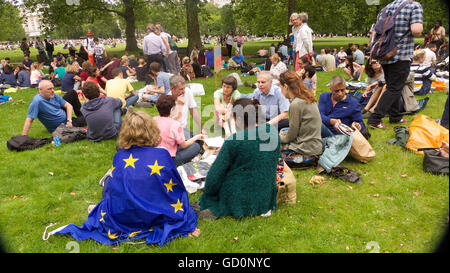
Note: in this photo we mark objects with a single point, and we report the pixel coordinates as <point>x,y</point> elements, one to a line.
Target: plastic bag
<point>424,132</point>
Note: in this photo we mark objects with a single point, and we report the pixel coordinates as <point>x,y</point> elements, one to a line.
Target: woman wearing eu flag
<point>144,197</point>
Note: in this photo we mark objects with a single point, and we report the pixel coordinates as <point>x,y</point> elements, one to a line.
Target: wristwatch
<point>69,120</point>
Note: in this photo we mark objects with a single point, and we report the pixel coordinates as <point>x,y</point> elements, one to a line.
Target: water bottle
<point>57,141</point>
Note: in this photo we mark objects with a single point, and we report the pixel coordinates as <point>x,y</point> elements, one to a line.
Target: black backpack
<point>434,162</point>
<point>69,134</point>
<point>22,143</point>
<point>384,46</point>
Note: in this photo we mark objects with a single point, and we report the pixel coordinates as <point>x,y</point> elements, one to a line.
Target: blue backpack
<point>383,46</point>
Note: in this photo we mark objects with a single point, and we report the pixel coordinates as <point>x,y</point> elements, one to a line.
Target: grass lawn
<point>398,206</point>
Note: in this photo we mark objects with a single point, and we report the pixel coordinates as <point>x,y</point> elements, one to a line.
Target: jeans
<point>444,119</point>
<point>185,155</point>
<point>390,104</point>
<point>117,114</point>
<point>43,56</point>
<point>326,132</point>
<point>425,89</point>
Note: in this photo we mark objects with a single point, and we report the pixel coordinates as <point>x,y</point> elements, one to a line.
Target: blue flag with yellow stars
<point>144,199</point>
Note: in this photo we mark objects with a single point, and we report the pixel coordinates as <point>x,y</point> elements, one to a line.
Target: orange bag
<point>424,132</point>
<point>438,85</point>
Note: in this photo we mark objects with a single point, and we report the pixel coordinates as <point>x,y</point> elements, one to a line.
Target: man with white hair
<point>274,104</point>
<point>153,46</point>
<point>50,109</point>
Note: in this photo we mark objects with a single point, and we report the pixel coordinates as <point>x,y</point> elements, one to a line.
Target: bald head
<point>46,89</point>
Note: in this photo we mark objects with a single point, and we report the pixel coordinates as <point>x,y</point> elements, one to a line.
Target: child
<point>187,71</point>
<point>423,76</point>
<point>99,53</point>
<point>310,71</point>
<point>35,76</point>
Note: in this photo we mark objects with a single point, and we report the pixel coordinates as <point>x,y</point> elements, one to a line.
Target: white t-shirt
<point>167,36</point>
<point>189,103</point>
<point>341,55</point>
<point>89,44</point>
<point>99,49</point>
<point>430,57</point>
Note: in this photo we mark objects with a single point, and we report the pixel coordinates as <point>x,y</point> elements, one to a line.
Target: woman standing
<point>240,42</point>
<point>303,138</point>
<point>229,43</point>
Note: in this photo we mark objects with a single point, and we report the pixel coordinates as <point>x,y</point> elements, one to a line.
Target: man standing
<point>171,57</point>
<point>49,47</point>
<point>408,24</point>
<point>25,47</point>
<point>275,106</point>
<point>48,108</point>
<point>153,46</point>
<point>89,45</point>
<point>41,49</point>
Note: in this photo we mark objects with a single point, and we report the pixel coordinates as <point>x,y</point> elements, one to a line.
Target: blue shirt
<point>8,79</point>
<point>50,112</point>
<point>209,58</point>
<point>67,82</point>
<point>348,111</point>
<point>274,103</point>
<point>239,59</point>
<point>23,78</point>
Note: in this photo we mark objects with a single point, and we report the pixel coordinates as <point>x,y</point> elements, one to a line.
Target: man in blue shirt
<point>238,58</point>
<point>273,103</point>
<point>49,108</point>
<point>336,107</point>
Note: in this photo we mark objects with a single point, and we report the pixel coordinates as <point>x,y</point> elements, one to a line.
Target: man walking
<point>408,24</point>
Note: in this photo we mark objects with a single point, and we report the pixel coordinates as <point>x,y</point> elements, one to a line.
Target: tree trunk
<point>130,27</point>
<point>292,6</point>
<point>193,29</point>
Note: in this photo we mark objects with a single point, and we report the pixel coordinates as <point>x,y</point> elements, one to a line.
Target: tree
<point>10,22</point>
<point>193,29</point>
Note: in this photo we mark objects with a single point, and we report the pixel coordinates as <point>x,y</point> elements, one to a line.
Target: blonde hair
<point>419,54</point>
<point>275,57</point>
<point>70,68</point>
<point>138,129</point>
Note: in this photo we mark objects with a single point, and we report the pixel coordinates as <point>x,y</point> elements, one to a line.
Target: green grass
<point>408,215</point>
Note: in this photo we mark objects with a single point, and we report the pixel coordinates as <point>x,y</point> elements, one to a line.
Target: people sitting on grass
<point>302,63</point>
<point>423,75</point>
<point>302,140</point>
<point>187,70</point>
<point>120,88</point>
<point>182,150</point>
<point>23,76</point>
<point>223,103</point>
<point>341,55</point>
<point>353,70</point>
<point>69,79</point>
<point>277,66</point>
<point>235,61</point>
<point>126,70</point>
<point>50,109</point>
<point>308,76</point>
<point>358,55</point>
<point>241,181</point>
<point>336,108</point>
<point>161,80</point>
<point>143,196</point>
<point>274,105</point>
<point>142,71</point>
<point>376,86</point>
<point>98,113</point>
<point>8,76</point>
<point>329,61</point>
<point>93,76</point>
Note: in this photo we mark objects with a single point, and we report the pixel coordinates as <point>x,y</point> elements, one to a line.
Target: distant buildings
<point>220,3</point>
<point>31,22</point>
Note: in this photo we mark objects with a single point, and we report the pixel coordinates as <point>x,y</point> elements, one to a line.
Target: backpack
<point>434,162</point>
<point>22,143</point>
<point>384,46</point>
<point>69,134</point>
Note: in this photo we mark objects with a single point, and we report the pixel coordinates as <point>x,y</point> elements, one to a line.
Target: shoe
<point>403,120</point>
<point>379,125</point>
<point>366,115</point>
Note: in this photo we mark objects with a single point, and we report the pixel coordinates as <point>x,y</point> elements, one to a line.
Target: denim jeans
<point>132,100</point>
<point>185,155</point>
<point>326,132</point>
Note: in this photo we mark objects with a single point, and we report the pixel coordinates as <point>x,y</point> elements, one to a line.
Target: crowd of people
<point>282,112</point>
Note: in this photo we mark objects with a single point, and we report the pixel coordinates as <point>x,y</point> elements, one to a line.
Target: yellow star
<point>155,168</point>
<point>134,233</point>
<point>130,161</point>
<point>112,236</point>
<point>103,215</point>
<point>112,169</point>
<point>151,229</point>
<point>178,206</point>
<point>169,185</point>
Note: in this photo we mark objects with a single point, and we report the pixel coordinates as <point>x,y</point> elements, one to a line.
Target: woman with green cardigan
<point>241,181</point>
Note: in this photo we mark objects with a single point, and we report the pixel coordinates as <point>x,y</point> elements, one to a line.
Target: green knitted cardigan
<point>241,181</point>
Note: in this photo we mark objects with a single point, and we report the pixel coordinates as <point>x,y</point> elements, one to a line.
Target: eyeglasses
<point>339,90</point>
<point>375,62</point>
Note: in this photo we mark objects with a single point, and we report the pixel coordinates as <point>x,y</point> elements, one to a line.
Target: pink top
<point>171,133</point>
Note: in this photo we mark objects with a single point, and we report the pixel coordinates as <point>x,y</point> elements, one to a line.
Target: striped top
<point>421,74</point>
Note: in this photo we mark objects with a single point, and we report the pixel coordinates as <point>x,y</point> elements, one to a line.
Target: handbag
<point>361,149</point>
<point>286,184</point>
<point>434,162</point>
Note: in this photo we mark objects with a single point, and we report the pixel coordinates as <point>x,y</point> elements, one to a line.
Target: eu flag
<point>144,199</point>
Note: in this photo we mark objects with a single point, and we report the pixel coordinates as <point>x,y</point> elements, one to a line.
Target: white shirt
<point>167,36</point>
<point>189,103</point>
<point>99,49</point>
<point>303,40</point>
<point>153,44</point>
<point>341,54</point>
<point>89,44</point>
<point>430,57</point>
<point>278,69</point>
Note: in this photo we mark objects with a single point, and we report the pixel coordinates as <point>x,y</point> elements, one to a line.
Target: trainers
<point>379,125</point>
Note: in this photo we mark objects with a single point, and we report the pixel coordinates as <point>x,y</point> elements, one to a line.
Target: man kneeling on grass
<point>98,113</point>
<point>50,109</point>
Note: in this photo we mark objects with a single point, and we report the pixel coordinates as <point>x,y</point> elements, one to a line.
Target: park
<point>397,208</point>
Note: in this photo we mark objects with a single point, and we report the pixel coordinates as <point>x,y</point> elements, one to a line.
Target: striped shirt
<point>421,74</point>
<point>412,13</point>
